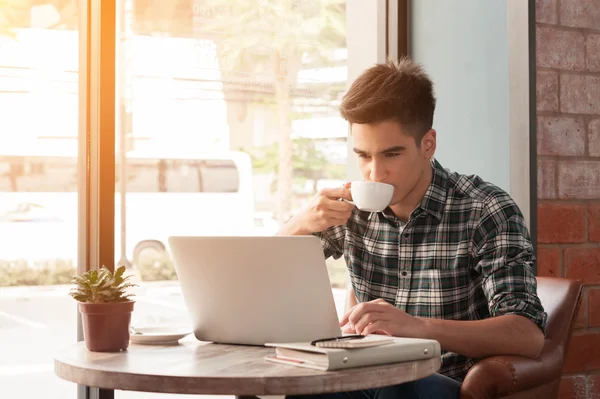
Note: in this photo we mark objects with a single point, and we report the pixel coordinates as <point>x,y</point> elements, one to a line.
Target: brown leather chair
<point>518,377</point>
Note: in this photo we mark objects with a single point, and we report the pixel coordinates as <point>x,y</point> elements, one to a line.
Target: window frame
<point>96,147</point>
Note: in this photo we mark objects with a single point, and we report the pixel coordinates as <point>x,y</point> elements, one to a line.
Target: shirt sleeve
<point>504,258</point>
<point>332,241</point>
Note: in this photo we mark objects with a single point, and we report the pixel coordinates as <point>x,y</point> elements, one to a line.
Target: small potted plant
<point>105,308</point>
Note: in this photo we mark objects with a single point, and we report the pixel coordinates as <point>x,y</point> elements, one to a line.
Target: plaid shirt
<point>464,254</point>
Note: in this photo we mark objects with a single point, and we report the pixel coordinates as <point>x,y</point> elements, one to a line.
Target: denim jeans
<point>436,386</point>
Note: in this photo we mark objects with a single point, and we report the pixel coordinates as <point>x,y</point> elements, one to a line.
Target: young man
<point>450,259</point>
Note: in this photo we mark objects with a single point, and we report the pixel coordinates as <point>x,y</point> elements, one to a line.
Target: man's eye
<point>363,156</point>
<point>392,154</point>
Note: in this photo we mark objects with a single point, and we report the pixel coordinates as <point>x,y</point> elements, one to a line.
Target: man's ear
<point>428,143</point>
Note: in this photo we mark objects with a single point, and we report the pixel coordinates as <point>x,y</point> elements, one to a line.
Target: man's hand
<point>380,317</point>
<point>325,210</point>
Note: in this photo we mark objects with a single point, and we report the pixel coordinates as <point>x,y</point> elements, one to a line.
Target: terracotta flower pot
<point>106,325</point>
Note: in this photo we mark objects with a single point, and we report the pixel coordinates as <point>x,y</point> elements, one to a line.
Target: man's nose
<point>378,172</point>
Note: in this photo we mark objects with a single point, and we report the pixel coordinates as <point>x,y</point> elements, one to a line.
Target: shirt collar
<point>435,197</point>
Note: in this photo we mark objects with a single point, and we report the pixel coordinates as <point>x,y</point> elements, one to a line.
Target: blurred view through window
<point>227,124</point>
<point>38,192</point>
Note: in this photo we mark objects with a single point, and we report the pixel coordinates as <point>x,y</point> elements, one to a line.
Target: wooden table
<point>194,367</point>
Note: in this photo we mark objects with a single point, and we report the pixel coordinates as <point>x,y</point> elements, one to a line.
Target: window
<point>216,103</point>
<point>38,174</point>
<point>38,195</point>
<point>182,176</point>
<point>258,83</point>
<point>144,175</point>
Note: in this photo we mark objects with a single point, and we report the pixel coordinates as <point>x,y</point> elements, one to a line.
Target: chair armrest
<point>504,375</point>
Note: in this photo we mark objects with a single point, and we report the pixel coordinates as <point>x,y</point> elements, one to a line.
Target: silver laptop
<point>254,290</point>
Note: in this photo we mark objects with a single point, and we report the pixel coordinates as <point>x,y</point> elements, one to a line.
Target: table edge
<point>285,385</point>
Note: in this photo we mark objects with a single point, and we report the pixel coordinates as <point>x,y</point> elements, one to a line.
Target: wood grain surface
<point>194,367</point>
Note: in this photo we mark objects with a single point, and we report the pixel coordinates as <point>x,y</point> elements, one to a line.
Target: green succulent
<point>101,286</point>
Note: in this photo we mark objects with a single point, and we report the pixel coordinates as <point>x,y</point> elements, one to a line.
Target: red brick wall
<point>568,148</point>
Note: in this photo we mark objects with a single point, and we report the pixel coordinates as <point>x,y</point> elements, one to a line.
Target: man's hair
<point>397,90</point>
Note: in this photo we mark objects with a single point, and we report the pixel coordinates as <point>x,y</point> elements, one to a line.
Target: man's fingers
<point>336,205</point>
<point>336,192</point>
<point>346,316</point>
<point>369,318</point>
<point>379,327</point>
<point>354,314</point>
<point>362,309</point>
<point>346,329</point>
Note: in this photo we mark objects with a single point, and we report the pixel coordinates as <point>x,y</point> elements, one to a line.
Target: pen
<point>342,338</point>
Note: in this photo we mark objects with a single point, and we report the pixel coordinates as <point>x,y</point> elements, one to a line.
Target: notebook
<point>303,354</point>
<point>364,342</point>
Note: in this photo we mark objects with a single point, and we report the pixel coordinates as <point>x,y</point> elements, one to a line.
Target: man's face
<point>387,155</point>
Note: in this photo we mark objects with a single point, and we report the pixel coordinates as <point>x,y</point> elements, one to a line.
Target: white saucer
<point>158,335</point>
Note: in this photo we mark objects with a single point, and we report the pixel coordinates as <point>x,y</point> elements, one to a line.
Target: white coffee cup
<point>371,196</point>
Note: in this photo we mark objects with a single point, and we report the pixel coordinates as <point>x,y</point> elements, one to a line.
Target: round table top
<point>194,367</point>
